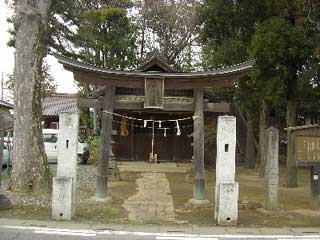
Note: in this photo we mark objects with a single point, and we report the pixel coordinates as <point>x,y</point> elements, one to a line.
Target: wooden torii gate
<point>154,83</point>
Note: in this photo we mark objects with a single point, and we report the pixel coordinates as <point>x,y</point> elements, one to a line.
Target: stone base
<point>62,198</point>
<point>99,200</point>
<point>199,203</point>
<point>5,203</point>
<point>227,204</point>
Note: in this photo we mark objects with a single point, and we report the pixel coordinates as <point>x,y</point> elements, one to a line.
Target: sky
<point>63,78</point>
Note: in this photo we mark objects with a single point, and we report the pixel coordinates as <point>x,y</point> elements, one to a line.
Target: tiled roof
<point>156,59</point>
<point>6,104</point>
<point>56,103</point>
<point>73,65</point>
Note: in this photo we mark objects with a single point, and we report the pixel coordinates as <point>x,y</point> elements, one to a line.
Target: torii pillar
<point>198,144</point>
<point>106,131</point>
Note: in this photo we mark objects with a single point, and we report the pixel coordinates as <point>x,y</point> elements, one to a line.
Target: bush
<point>94,148</point>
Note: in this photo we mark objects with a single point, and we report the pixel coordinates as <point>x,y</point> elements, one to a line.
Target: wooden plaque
<point>308,148</point>
<point>154,91</point>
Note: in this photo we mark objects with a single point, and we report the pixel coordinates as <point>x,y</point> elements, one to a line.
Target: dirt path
<point>153,201</point>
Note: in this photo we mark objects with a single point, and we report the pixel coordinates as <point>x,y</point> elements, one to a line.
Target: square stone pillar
<point>64,185</point>
<point>68,146</point>
<point>225,170</point>
<point>272,169</point>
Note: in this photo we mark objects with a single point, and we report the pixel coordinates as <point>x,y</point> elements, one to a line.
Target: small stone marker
<point>226,192</point>
<point>272,169</point>
<point>64,185</point>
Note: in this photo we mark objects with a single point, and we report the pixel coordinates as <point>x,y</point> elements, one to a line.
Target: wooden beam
<point>139,105</point>
<point>198,145</point>
<point>106,131</point>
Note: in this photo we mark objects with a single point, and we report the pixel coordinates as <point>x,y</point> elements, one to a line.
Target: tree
<point>283,50</point>
<point>171,27</point>
<point>30,170</point>
<point>228,27</point>
<point>285,33</point>
<point>98,32</point>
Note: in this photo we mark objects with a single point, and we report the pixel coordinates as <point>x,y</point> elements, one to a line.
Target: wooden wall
<point>137,145</point>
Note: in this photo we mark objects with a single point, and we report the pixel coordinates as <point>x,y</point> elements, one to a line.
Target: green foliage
<point>97,32</point>
<point>109,33</point>
<point>170,27</point>
<point>94,149</point>
<point>281,52</point>
<point>282,36</point>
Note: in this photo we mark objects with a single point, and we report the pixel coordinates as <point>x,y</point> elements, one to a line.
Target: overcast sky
<point>64,78</point>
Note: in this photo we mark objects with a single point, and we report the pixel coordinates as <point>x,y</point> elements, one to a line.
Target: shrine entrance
<point>135,142</point>
<point>152,91</point>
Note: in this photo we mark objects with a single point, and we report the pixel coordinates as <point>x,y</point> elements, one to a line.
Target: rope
<point>148,120</point>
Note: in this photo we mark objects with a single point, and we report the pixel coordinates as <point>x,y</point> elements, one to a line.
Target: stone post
<point>226,192</point>
<point>272,169</point>
<point>315,186</point>
<point>64,184</point>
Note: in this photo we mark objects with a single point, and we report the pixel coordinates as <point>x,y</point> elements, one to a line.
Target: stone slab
<point>5,203</point>
<point>227,212</point>
<point>62,198</point>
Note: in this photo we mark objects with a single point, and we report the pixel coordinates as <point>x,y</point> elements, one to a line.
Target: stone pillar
<point>272,169</point>
<point>226,192</point>
<point>106,131</point>
<point>315,186</point>
<point>198,144</point>
<point>64,184</point>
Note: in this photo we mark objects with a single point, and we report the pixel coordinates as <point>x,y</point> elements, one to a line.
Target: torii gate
<point>154,83</point>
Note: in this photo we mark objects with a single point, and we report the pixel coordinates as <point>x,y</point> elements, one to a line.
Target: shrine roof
<point>56,103</point>
<point>156,61</point>
<point>222,77</point>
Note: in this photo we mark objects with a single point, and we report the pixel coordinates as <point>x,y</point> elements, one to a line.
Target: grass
<point>293,209</point>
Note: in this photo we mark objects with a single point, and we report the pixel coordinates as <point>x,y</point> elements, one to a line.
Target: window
<point>50,138</point>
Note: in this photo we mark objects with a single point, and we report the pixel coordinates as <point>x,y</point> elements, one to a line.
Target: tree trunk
<point>30,169</point>
<point>263,125</point>
<point>291,178</point>
<point>250,158</point>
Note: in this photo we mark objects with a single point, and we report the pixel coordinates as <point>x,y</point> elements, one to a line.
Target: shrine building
<point>156,112</point>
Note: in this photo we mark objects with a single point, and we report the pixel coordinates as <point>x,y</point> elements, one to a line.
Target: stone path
<point>153,201</point>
